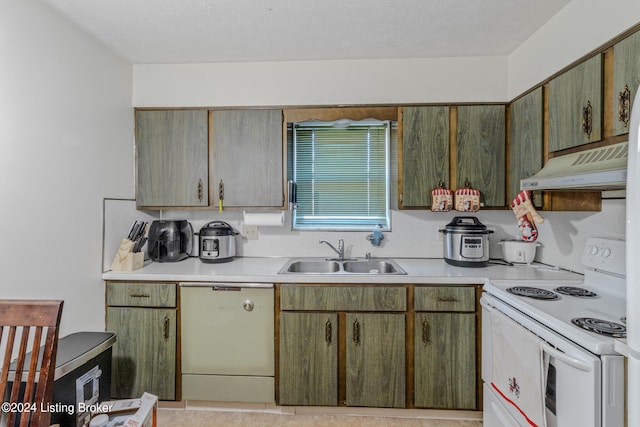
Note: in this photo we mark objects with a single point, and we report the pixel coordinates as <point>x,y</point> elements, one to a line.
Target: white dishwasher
<point>227,342</point>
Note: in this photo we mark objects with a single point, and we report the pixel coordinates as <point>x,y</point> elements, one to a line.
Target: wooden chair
<point>27,323</point>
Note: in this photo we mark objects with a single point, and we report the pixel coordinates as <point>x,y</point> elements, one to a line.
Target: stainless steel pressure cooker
<point>466,242</point>
<point>217,242</point>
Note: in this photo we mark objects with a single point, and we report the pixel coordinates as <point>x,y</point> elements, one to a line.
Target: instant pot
<point>466,242</point>
<point>217,242</point>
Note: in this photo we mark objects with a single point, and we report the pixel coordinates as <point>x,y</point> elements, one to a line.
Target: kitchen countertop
<point>265,270</point>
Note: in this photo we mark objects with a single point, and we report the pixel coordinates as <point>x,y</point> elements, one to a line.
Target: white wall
<point>66,142</point>
<point>579,28</point>
<point>480,79</point>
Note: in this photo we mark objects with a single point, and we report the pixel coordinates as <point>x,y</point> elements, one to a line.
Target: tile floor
<point>214,416</point>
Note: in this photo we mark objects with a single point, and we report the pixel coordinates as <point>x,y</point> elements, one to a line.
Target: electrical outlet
<point>250,232</point>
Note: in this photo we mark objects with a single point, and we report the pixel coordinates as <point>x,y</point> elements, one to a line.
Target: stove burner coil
<point>602,327</point>
<point>575,292</point>
<point>531,292</point>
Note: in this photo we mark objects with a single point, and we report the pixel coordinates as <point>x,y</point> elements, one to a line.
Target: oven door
<point>572,383</point>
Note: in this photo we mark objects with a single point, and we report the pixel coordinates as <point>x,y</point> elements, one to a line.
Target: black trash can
<point>82,377</point>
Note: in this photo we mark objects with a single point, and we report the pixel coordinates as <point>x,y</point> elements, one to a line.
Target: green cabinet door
<point>376,374</point>
<point>308,359</point>
<point>526,139</point>
<point>626,79</point>
<point>172,152</point>
<point>445,360</point>
<point>144,355</point>
<point>575,106</point>
<point>247,157</point>
<point>481,151</point>
<point>425,153</point>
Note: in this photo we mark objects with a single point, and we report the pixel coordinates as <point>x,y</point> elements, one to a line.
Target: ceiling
<point>209,31</point>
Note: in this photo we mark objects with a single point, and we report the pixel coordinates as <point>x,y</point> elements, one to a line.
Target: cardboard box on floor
<point>142,412</point>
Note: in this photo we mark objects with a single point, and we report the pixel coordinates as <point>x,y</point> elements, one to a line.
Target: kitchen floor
<point>208,416</point>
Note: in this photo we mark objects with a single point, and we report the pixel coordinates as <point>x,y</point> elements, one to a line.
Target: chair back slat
<point>32,383</point>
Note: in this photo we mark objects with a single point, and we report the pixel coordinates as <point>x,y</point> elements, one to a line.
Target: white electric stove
<point>576,326</point>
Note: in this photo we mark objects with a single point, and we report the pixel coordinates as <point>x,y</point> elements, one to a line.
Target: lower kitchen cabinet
<point>309,359</point>
<point>144,318</point>
<point>355,346</point>
<point>445,347</point>
<point>375,367</point>
<point>319,320</point>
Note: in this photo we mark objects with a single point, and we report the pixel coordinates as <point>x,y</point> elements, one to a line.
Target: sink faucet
<point>339,251</point>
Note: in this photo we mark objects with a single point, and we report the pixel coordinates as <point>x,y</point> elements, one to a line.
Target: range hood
<point>598,169</point>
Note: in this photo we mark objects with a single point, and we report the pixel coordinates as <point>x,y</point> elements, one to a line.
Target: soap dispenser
<point>376,237</point>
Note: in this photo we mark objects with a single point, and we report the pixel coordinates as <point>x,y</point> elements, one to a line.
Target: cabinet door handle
<point>328,332</point>
<point>356,331</point>
<point>165,328</point>
<point>220,195</point>
<point>624,106</point>
<point>587,119</point>
<point>425,331</point>
<point>447,299</point>
<point>200,190</point>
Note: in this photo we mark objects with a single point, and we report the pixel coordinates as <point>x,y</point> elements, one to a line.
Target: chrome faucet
<point>339,251</point>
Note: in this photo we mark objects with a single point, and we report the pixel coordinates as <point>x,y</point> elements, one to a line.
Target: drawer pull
<point>447,299</point>
<point>328,332</point>
<point>425,331</point>
<point>356,331</point>
<point>140,295</point>
<point>165,328</point>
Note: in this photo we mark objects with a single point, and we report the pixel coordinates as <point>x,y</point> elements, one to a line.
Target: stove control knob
<point>606,252</point>
<point>593,250</point>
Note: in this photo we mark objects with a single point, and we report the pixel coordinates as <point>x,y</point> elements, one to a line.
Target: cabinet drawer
<point>344,298</point>
<point>135,294</point>
<point>445,298</point>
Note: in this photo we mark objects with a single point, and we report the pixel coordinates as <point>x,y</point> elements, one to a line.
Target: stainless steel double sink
<point>336,266</point>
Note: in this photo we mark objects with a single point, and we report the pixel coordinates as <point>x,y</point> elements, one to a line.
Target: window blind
<point>342,175</point>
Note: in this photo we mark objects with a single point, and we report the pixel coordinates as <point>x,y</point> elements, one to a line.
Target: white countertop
<point>265,270</point>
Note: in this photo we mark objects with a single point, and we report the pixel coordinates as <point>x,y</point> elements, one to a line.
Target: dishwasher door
<point>227,336</point>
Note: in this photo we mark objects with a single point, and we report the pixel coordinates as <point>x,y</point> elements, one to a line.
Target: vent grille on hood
<point>603,168</point>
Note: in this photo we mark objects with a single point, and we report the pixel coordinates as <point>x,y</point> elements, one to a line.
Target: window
<point>341,171</point>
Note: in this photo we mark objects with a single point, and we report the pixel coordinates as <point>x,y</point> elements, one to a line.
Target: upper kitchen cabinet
<point>425,153</point>
<point>526,139</point>
<point>626,79</point>
<point>575,106</point>
<point>481,151</point>
<point>248,158</point>
<point>172,150</point>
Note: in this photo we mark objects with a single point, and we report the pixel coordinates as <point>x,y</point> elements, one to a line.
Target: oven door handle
<point>571,361</point>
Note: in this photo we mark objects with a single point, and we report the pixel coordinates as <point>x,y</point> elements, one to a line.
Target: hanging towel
<point>518,368</point>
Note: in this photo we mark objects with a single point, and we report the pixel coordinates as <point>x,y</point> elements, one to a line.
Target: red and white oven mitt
<point>527,216</point>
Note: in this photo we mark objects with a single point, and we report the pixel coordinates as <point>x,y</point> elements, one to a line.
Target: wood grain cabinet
<point>445,347</point>
<point>575,106</point>
<point>526,138</point>
<point>371,325</point>
<point>248,158</point>
<point>144,318</point>
<point>425,153</point>
<point>172,153</point>
<point>626,79</point>
<point>481,151</point>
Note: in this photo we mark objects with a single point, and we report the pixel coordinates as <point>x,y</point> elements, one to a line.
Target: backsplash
<point>415,233</point>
